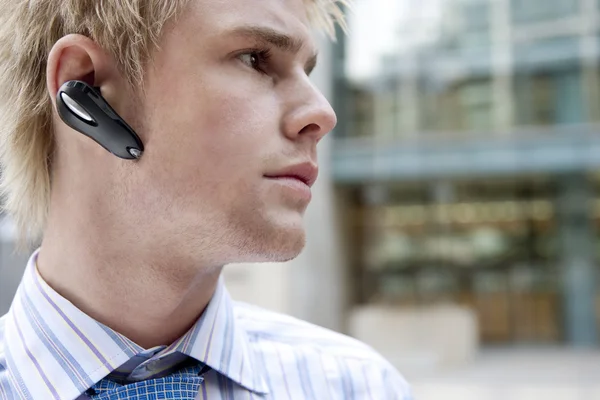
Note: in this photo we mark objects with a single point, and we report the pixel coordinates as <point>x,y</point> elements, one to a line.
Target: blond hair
<point>129,30</point>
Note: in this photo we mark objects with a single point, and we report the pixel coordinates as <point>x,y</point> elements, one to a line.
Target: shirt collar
<point>62,351</point>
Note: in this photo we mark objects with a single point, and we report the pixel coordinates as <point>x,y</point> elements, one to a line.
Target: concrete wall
<point>264,284</point>
<point>421,339</point>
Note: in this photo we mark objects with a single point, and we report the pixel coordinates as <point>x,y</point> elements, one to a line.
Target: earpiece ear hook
<point>83,108</point>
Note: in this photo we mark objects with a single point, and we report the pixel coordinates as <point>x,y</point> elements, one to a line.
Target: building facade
<point>468,152</point>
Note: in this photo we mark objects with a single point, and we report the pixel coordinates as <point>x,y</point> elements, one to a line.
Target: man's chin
<point>286,246</point>
<point>279,245</point>
<point>269,238</point>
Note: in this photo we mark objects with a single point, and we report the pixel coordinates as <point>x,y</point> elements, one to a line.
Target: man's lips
<point>305,172</point>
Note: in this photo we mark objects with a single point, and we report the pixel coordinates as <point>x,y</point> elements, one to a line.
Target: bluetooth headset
<point>83,108</point>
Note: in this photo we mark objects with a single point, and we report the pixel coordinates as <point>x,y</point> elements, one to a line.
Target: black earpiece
<point>83,108</point>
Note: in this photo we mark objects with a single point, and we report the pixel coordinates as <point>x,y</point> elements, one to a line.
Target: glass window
<point>535,10</point>
<point>476,15</point>
<point>476,25</point>
<point>361,112</point>
<point>548,98</point>
<point>487,245</point>
<point>462,106</point>
<point>476,103</point>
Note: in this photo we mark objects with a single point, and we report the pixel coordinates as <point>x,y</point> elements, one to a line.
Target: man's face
<point>228,112</point>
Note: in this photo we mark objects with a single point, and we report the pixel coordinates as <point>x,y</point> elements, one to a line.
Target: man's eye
<point>255,59</point>
<point>250,59</point>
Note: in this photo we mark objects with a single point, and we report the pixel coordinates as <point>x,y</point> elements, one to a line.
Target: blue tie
<point>182,385</point>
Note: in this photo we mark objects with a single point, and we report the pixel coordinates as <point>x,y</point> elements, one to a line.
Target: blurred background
<point>454,225</point>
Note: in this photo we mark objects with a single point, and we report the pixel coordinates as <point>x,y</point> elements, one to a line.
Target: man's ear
<point>83,107</point>
<point>77,57</point>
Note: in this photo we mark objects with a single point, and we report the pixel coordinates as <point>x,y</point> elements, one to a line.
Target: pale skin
<point>139,245</point>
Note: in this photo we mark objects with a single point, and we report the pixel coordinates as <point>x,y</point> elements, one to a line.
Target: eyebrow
<point>282,41</point>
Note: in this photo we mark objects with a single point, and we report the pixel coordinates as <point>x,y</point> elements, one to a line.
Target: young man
<point>123,299</point>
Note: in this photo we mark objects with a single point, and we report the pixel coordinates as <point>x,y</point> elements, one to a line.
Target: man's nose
<point>308,113</point>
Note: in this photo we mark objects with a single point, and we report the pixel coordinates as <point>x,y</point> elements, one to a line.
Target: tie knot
<point>182,384</point>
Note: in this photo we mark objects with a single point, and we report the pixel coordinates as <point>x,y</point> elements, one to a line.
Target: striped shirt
<point>49,349</point>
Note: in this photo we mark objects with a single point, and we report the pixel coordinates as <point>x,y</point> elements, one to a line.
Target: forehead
<point>286,16</point>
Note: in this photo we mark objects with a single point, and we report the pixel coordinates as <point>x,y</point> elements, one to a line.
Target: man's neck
<point>146,294</point>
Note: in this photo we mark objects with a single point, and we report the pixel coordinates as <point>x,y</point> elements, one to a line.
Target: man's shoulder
<point>336,351</point>
<point>270,325</point>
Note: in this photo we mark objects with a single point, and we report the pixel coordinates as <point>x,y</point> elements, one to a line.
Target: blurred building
<point>467,157</point>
